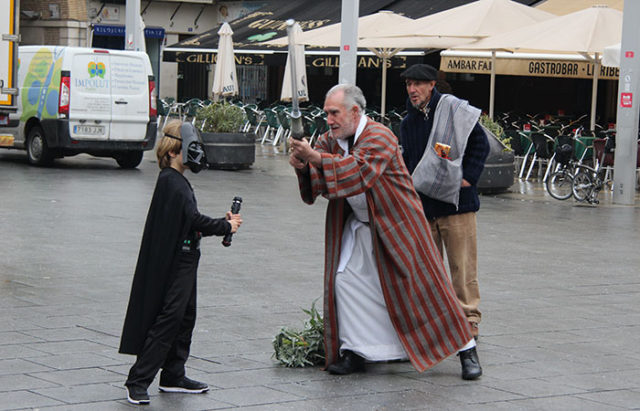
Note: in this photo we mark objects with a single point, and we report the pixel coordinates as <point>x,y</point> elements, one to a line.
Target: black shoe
<point>137,395</point>
<point>471,368</point>
<point>185,385</point>
<point>349,363</point>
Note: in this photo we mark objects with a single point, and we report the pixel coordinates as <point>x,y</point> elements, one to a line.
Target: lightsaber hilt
<point>235,209</point>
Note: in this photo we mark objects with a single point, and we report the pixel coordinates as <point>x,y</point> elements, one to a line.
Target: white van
<point>82,100</point>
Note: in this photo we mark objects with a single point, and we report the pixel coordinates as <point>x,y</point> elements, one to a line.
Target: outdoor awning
<point>562,7</point>
<point>524,64</point>
<point>269,23</point>
<point>261,25</point>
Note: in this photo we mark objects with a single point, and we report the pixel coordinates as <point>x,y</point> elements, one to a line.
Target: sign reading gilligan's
<point>514,64</point>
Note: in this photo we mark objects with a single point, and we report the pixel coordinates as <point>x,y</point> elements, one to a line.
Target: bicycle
<point>559,184</point>
<point>589,181</point>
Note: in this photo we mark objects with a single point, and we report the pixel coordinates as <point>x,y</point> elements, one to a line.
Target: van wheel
<point>129,159</point>
<point>37,149</point>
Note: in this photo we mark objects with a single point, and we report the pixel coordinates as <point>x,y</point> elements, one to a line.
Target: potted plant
<point>226,147</point>
<point>499,168</point>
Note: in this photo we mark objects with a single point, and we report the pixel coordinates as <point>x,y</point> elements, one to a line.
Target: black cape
<point>172,216</point>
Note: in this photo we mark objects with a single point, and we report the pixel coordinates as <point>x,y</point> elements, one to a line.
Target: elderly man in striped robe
<point>387,295</point>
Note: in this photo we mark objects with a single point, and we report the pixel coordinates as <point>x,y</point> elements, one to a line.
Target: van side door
<point>130,96</point>
<point>90,96</point>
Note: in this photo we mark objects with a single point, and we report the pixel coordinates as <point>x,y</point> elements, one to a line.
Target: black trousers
<point>169,338</point>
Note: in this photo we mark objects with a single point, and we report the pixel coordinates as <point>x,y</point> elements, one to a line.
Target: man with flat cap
<point>444,149</point>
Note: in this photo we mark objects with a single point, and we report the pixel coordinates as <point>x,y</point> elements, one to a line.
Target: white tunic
<point>364,325</point>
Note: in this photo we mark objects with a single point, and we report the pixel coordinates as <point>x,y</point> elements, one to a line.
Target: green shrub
<point>295,348</point>
<point>220,117</point>
<point>496,129</point>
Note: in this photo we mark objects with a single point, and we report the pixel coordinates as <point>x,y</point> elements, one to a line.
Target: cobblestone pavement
<point>560,291</point>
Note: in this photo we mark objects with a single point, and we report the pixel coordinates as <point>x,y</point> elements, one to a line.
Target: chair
<point>528,148</point>
<point>542,144</point>
<point>395,119</point>
<point>190,109</point>
<point>285,126</point>
<point>514,141</point>
<point>552,130</point>
<point>604,155</point>
<point>563,149</point>
<point>321,126</point>
<point>255,119</point>
<point>272,124</point>
<point>175,110</point>
<point>309,127</point>
<point>163,111</point>
<point>584,147</point>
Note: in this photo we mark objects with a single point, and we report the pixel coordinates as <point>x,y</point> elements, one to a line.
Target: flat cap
<point>420,72</point>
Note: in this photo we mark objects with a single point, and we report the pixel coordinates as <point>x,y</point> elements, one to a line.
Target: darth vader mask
<point>193,154</point>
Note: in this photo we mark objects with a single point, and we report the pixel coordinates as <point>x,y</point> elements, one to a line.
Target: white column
<point>349,42</point>
<point>624,175</point>
<point>132,28</point>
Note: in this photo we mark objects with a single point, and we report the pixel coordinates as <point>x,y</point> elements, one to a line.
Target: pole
<point>349,42</point>
<point>132,26</point>
<point>383,103</point>
<point>594,90</point>
<point>624,169</point>
<point>492,92</point>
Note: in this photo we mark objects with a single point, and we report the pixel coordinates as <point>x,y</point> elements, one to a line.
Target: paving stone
<point>68,347</point>
<point>121,405</point>
<point>10,351</point>
<point>25,399</point>
<point>62,334</point>
<point>628,399</point>
<point>335,387</point>
<point>568,403</point>
<point>252,396</point>
<point>19,382</point>
<point>79,376</point>
<point>85,393</point>
<point>19,366</point>
<point>533,387</point>
<point>73,361</point>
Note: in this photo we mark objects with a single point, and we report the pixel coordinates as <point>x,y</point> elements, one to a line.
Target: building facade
<point>93,23</point>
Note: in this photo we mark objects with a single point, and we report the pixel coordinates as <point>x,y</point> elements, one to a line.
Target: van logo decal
<point>97,69</point>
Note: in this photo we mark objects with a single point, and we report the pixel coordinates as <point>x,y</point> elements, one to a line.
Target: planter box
<point>499,169</point>
<point>229,151</point>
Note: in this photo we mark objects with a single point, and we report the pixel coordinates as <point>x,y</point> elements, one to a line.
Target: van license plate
<point>88,130</point>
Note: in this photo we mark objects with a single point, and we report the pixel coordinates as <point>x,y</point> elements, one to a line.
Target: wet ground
<point>559,280</point>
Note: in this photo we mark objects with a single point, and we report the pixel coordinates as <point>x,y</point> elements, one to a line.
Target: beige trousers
<point>457,233</point>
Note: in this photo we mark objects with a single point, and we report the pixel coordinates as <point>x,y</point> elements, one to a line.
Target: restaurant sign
<point>526,67</point>
<point>251,59</point>
<point>396,62</point>
<point>210,58</point>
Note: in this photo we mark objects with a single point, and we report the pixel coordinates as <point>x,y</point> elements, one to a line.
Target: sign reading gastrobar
<point>526,67</point>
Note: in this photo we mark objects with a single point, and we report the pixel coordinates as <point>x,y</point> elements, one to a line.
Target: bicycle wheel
<point>560,185</point>
<point>582,186</point>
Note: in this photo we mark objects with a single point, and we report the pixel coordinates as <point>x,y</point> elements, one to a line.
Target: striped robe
<point>421,302</point>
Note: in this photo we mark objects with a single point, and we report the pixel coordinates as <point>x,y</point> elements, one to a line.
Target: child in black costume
<point>162,306</point>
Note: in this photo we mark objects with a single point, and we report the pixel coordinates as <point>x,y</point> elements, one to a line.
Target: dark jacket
<point>173,217</point>
<point>414,133</point>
